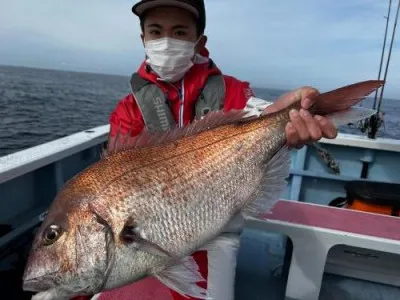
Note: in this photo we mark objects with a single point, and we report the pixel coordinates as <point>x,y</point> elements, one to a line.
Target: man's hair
<point>198,28</point>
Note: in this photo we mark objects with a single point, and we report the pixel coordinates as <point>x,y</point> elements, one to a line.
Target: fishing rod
<point>383,51</point>
<point>390,53</point>
<point>375,121</point>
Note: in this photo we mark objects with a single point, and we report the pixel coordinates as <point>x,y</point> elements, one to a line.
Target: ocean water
<point>37,106</point>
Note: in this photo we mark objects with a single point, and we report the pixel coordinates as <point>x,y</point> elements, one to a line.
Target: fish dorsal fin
<point>213,119</point>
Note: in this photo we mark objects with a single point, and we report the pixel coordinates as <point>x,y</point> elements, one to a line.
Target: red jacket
<point>128,116</point>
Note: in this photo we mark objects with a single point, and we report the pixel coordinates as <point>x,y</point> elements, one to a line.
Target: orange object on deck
<point>373,197</point>
<point>359,204</point>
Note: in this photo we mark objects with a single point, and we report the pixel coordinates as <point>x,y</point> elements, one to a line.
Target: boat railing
<point>28,160</point>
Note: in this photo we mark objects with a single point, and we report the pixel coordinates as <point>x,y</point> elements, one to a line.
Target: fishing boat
<point>331,236</point>
<point>29,180</point>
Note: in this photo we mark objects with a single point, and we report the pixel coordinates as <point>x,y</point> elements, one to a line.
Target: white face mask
<point>170,58</point>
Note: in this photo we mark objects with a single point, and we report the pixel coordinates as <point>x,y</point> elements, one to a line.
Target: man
<point>178,82</point>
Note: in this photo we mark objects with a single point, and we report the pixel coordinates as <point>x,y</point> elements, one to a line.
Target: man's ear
<point>201,44</point>
<point>142,37</point>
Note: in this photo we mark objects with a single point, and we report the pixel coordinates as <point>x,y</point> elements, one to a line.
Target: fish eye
<point>51,234</point>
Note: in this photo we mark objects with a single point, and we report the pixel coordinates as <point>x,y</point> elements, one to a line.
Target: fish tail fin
<point>338,104</point>
<point>344,97</point>
<point>350,115</point>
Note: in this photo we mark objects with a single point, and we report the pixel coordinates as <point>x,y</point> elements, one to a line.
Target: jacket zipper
<point>181,95</point>
<point>181,103</point>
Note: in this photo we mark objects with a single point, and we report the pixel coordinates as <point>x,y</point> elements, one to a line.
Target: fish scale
<point>218,208</point>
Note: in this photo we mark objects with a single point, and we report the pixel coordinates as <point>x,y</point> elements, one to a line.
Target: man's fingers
<point>285,100</point>
<point>328,129</point>
<point>312,125</point>
<point>306,103</point>
<point>291,135</point>
<point>299,125</point>
<point>308,95</point>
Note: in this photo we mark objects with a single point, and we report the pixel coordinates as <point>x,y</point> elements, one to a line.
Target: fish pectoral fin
<point>152,248</point>
<point>272,185</point>
<point>183,278</point>
<point>131,235</point>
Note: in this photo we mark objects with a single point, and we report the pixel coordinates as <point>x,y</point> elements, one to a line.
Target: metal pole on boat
<point>383,51</point>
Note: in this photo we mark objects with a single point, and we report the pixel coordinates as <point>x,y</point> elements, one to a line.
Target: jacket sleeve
<point>239,95</point>
<point>125,121</point>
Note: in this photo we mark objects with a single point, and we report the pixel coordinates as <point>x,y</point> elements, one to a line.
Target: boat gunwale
<point>25,161</point>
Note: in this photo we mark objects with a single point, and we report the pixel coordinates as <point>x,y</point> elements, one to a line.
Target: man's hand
<point>303,128</point>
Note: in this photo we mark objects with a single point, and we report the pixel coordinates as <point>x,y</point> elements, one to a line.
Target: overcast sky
<point>281,44</point>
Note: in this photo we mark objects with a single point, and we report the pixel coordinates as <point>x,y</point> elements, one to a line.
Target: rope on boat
<point>372,125</point>
<point>330,162</point>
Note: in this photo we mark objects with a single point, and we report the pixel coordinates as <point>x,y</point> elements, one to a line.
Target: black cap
<point>196,7</point>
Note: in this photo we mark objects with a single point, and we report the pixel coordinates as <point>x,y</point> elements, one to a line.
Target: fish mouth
<point>38,284</point>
